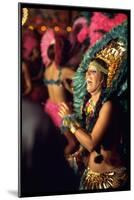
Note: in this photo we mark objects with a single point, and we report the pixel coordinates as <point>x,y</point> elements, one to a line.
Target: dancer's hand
<point>64,110</point>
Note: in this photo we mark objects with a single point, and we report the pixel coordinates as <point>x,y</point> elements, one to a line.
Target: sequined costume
<point>112,179</point>
<point>50,107</point>
<point>52,110</point>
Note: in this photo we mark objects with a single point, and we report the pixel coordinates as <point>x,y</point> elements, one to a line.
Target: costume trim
<point>112,179</point>
<point>99,67</point>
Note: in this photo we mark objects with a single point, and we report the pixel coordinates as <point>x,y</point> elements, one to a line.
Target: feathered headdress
<point>113,50</point>
<point>113,55</point>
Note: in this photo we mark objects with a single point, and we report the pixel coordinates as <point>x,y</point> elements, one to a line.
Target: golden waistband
<point>112,179</point>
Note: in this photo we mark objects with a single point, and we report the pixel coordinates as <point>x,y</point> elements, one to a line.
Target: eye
<point>92,72</point>
<point>89,72</point>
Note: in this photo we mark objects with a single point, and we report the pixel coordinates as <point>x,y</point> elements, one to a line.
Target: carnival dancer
<point>100,84</point>
<point>56,78</point>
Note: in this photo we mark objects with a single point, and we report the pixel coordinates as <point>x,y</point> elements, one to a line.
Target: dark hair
<point>59,50</point>
<point>77,28</point>
<point>101,62</point>
<point>51,52</point>
<point>65,47</point>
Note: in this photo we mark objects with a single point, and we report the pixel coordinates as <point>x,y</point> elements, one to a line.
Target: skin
<point>94,79</point>
<point>106,132</point>
<point>57,92</point>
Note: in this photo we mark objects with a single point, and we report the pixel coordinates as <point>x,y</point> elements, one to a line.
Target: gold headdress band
<point>112,55</point>
<point>99,66</point>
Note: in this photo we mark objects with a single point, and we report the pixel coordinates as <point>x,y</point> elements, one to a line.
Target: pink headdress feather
<point>47,39</point>
<point>82,33</point>
<point>80,20</point>
<point>101,22</point>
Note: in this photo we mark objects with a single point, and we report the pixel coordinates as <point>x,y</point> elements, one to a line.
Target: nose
<point>88,74</point>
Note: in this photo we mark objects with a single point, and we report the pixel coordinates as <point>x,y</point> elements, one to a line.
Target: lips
<point>89,81</point>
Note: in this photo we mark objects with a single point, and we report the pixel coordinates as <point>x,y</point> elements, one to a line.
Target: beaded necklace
<point>90,115</point>
<point>89,107</point>
<point>89,111</point>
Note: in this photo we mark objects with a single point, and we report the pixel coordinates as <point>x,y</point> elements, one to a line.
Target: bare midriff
<point>110,161</point>
<point>56,93</point>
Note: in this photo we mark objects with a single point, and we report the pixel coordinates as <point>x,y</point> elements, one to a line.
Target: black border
<point>65,7</point>
<point>79,8</point>
<point>19,99</point>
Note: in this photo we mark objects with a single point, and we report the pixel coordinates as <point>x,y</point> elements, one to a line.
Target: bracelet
<point>70,122</point>
<point>66,122</point>
<point>73,128</point>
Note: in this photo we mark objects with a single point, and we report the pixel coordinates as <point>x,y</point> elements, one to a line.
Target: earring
<point>104,84</point>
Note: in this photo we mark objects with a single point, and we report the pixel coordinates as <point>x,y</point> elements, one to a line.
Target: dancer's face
<point>94,79</point>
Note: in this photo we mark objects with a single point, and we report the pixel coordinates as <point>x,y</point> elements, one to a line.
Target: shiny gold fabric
<point>108,180</point>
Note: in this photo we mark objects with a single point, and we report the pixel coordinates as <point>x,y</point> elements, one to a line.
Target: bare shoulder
<point>108,105</point>
<point>67,69</point>
<point>67,72</point>
<point>107,108</point>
